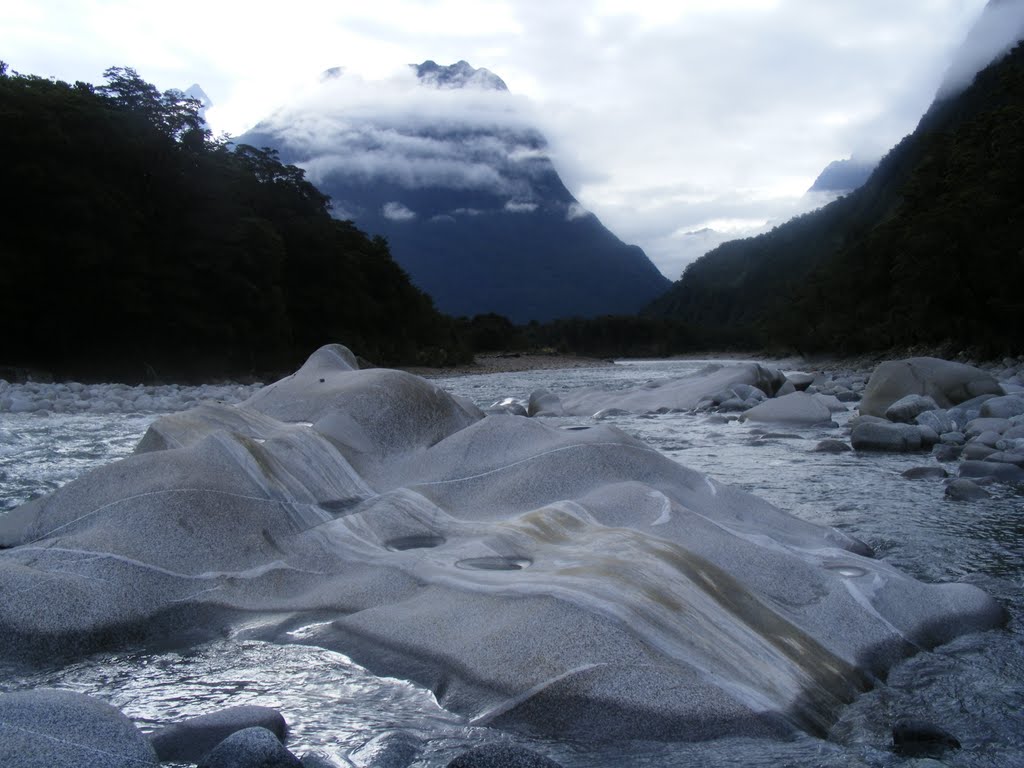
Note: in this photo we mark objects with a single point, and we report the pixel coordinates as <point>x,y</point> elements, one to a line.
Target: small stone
<point>946,452</point>
<point>980,426</point>
<point>977,451</point>
<point>952,438</point>
<point>906,409</point>
<point>800,381</point>
<point>938,420</point>
<point>250,748</point>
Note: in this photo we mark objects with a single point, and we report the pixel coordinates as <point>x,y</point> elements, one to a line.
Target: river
<point>973,687</point>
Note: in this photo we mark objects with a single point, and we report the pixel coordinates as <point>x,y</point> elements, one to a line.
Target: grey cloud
<point>414,136</point>
<point>576,211</point>
<point>520,206</point>
<point>396,211</point>
<point>1000,26</point>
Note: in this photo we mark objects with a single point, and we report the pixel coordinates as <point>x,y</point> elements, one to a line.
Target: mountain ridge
<point>793,285</point>
<point>449,169</point>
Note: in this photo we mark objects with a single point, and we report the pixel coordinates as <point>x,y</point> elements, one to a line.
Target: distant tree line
<point>133,244</point>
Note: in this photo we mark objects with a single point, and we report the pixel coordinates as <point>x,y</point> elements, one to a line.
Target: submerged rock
<point>925,473</point>
<point>946,382</point>
<point>577,583</point>
<point>963,489</point>
<point>832,446</point>
<point>872,436</point>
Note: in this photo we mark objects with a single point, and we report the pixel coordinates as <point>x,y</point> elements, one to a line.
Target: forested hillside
<point>134,245</point>
<point>929,251</point>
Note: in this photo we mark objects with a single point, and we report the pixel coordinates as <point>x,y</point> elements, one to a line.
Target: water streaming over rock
<point>973,687</point>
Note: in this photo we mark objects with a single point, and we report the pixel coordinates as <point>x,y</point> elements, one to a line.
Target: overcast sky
<point>664,118</point>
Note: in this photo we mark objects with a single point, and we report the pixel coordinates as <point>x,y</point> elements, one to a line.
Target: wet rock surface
<point>663,604</point>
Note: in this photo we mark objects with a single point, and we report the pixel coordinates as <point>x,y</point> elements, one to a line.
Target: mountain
<point>843,176</point>
<point>928,250</point>
<point>446,164</point>
<point>196,92</point>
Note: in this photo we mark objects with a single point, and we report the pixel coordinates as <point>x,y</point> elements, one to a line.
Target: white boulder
<point>946,382</point>
<point>577,583</point>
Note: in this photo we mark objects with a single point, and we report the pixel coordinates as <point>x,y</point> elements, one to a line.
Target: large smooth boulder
<point>946,382</point>
<point>571,583</point>
<point>713,383</point>
<point>45,728</point>
<point>796,409</point>
<point>189,740</point>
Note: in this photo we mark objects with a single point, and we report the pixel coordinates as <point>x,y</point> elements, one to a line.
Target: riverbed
<point>973,687</point>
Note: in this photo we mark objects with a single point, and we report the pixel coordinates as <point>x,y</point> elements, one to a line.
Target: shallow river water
<point>973,687</point>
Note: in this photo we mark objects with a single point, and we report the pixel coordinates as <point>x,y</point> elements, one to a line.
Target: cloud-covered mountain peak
<point>449,166</point>
<point>458,75</point>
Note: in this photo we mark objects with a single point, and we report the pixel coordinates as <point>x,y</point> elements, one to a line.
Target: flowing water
<point>973,687</point>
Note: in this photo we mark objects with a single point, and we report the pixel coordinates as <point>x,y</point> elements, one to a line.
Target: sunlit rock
<point>946,382</point>
<point>577,583</point>
<point>711,385</point>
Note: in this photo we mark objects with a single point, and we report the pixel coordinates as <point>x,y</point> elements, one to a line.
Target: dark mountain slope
<point>947,266</point>
<point>790,285</point>
<point>461,185</point>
